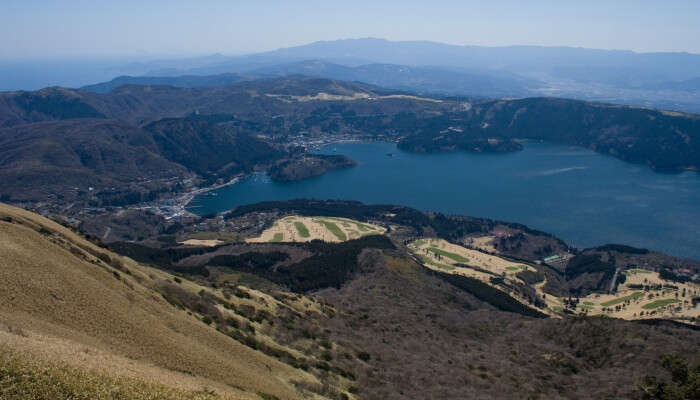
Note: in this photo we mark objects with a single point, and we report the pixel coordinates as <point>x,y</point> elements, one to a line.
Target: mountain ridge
<point>276,118</point>
<point>227,334</point>
<point>71,296</point>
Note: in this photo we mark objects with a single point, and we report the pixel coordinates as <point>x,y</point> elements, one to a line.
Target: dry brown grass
<point>285,230</point>
<point>22,378</point>
<point>634,308</point>
<point>497,265</point>
<point>56,288</point>
<point>446,257</point>
<point>482,243</point>
<point>202,242</point>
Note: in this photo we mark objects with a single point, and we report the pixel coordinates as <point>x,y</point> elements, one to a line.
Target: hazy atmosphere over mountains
<point>345,201</point>
<point>661,80</point>
<point>471,49</point>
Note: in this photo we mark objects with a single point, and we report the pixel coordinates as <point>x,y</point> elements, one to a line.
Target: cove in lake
<point>585,198</point>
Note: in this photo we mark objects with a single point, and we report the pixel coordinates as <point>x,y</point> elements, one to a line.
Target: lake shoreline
<point>585,198</point>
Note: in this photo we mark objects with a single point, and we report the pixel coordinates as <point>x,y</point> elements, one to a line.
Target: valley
<point>80,154</point>
<point>639,294</point>
<point>267,201</point>
<point>581,197</point>
<point>136,257</point>
<point>314,317</point>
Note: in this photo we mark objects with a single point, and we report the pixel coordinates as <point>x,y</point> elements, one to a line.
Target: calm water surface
<point>585,198</point>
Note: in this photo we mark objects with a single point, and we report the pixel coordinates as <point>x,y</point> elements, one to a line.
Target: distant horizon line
<point>183,56</point>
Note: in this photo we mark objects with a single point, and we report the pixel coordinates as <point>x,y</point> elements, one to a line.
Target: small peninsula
<point>308,166</point>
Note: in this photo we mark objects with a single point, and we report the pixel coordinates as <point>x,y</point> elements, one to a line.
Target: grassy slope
<point>54,290</point>
<point>453,256</point>
<point>334,229</point>
<point>632,296</point>
<point>22,379</point>
<point>301,228</point>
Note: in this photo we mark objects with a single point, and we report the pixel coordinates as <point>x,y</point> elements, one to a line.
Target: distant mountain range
<point>404,304</point>
<point>563,62</point>
<point>659,80</point>
<point>185,81</point>
<point>690,85</point>
<point>423,80</point>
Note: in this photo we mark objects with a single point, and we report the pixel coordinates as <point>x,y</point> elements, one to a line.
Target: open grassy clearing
<point>202,242</point>
<point>627,303</point>
<point>295,228</point>
<point>430,261</point>
<point>25,378</point>
<point>419,243</point>
<point>301,228</point>
<point>645,295</point>
<point>659,303</point>
<point>59,313</point>
<point>622,299</point>
<point>634,271</point>
<point>349,223</point>
<point>334,229</point>
<point>362,227</point>
<point>454,254</point>
<point>441,255</point>
<point>651,278</point>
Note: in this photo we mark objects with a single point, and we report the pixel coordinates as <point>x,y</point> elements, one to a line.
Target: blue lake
<point>583,197</point>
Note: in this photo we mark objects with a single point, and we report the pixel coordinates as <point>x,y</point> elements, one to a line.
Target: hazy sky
<point>154,28</point>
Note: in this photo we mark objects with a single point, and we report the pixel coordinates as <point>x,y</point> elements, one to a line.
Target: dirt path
<point>614,279</point>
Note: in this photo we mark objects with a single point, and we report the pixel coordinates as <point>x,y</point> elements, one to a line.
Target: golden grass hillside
<point>24,378</point>
<point>66,302</point>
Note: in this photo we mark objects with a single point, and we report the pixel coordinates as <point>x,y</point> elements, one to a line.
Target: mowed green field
<point>659,303</point>
<point>302,229</point>
<point>362,227</point>
<point>430,261</point>
<point>453,256</point>
<point>334,229</point>
<point>613,302</point>
<point>278,237</point>
<point>348,223</point>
